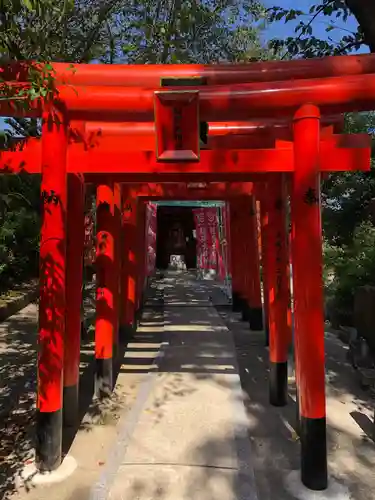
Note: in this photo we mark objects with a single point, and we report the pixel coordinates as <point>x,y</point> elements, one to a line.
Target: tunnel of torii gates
<point>131,129</point>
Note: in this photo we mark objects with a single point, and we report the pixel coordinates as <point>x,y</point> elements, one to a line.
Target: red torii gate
<point>248,279</point>
<point>177,156</point>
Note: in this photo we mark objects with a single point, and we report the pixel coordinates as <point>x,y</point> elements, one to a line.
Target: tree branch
<point>304,29</point>
<point>349,46</point>
<point>364,12</point>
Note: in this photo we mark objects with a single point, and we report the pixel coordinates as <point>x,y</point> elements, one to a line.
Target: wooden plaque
<point>177,125</point>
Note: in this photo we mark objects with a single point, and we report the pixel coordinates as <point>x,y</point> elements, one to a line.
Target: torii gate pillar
<point>129,262</point>
<point>277,296</point>
<point>245,262</point>
<point>252,270</point>
<point>106,284</point>
<point>74,275</point>
<point>117,220</point>
<point>141,254</point>
<point>237,257</point>
<point>264,245</point>
<point>308,297</point>
<point>52,303</point>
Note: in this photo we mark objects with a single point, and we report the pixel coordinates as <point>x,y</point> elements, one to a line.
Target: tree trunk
<point>364,12</point>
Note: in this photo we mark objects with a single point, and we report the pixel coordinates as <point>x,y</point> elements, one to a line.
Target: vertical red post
<point>308,296</point>
<point>235,248</point>
<point>106,280</point>
<point>129,264</point>
<point>227,247</point>
<point>52,304</point>
<point>141,252</point>
<point>278,290</point>
<point>117,230</point>
<point>242,242</point>
<point>245,240</point>
<point>246,257</point>
<point>264,243</point>
<point>253,266</point>
<point>74,276</point>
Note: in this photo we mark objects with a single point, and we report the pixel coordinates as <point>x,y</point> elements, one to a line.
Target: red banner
<point>221,248</point>
<point>227,249</point>
<point>212,236</point>
<point>201,234</point>
<point>89,245</point>
<point>151,226</point>
<point>206,224</point>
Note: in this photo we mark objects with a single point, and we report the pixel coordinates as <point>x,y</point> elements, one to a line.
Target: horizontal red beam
<point>260,140</point>
<point>146,129</point>
<point>107,161</point>
<point>338,153</point>
<point>120,145</point>
<point>331,141</point>
<point>149,75</point>
<point>144,137</point>
<point>236,102</point>
<point>175,177</point>
<point>220,103</point>
<point>97,160</point>
<point>221,135</point>
<point>181,191</point>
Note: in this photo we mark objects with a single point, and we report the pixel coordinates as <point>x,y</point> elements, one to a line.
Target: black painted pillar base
<point>138,315</point>
<point>115,352</point>
<point>84,330</point>
<point>244,307</point>
<point>116,346</point>
<point>246,311</point>
<point>314,474</point>
<point>236,302</point>
<point>104,378</point>
<point>278,382</point>
<point>256,319</point>
<point>71,405</point>
<point>48,449</point>
<point>267,335</point>
<point>298,416</point>
<point>126,332</point>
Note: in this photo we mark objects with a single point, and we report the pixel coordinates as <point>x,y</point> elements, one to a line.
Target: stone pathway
<point>187,438</point>
<point>190,417</point>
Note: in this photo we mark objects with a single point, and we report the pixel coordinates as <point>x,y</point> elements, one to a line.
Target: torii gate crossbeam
<point>150,75</point>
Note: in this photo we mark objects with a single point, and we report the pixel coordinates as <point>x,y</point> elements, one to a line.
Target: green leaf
<point>28,4</point>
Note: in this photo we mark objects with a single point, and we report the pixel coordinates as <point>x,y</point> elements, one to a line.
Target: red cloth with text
<point>211,220</point>
<point>151,225</point>
<point>201,236</point>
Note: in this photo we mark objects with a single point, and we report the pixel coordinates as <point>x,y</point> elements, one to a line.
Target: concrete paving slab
<point>175,483</point>
<point>187,421</point>
<point>207,359</point>
<point>190,440</point>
